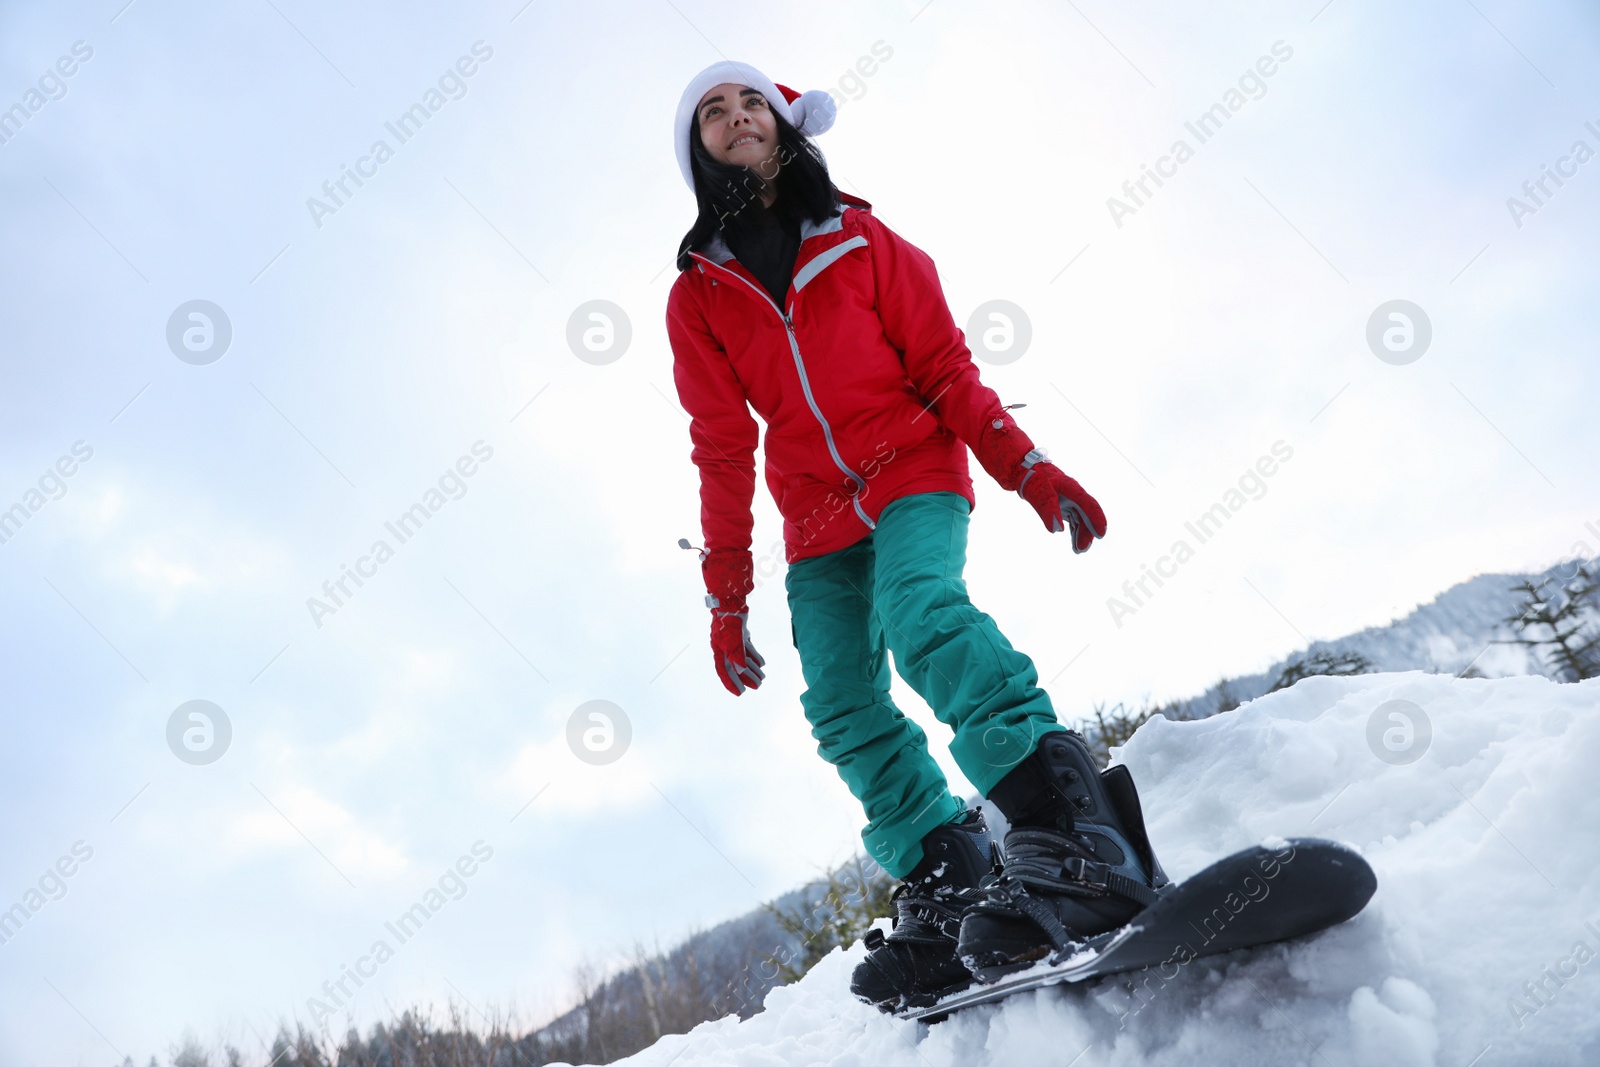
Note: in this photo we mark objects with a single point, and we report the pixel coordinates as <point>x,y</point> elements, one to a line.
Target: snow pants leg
<point>900,589</point>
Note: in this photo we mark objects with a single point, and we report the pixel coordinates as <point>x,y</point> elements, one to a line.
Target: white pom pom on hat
<point>810,112</point>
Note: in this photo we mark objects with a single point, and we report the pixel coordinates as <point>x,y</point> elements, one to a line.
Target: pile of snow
<point>1476,807</point>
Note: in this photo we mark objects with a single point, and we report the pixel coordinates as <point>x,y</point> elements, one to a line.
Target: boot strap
<point>941,916</point>
<point>1045,917</point>
<point>1035,857</point>
<point>1100,877</point>
<point>946,920</point>
<point>1088,877</point>
<point>944,915</point>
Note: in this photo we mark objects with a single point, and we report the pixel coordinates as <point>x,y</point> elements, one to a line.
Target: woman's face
<point>737,126</point>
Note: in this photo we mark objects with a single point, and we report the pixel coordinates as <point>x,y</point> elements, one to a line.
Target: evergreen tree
<point>1112,727</point>
<point>855,895</point>
<point>1322,662</point>
<point>1572,648</point>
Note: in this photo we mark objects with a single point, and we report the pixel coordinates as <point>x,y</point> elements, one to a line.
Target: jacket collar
<point>718,252</point>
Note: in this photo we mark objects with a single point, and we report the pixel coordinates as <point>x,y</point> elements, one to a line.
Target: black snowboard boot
<point>916,963</point>
<point>1076,861</point>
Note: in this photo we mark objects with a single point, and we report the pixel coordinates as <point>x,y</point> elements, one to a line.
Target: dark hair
<point>723,190</point>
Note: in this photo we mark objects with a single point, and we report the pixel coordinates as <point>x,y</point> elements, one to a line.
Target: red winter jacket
<point>866,386</point>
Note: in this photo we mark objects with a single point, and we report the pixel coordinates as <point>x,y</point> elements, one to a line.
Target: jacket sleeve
<point>722,432</point>
<point>917,321</point>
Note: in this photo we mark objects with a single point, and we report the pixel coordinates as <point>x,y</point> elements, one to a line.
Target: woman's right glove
<point>730,576</point>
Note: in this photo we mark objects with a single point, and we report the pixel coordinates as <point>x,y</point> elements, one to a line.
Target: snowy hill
<point>1461,631</point>
<point>1480,946</point>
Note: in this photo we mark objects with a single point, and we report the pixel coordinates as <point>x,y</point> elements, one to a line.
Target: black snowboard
<point>1254,897</point>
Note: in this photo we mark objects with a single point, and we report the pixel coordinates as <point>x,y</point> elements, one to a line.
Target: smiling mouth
<point>747,138</point>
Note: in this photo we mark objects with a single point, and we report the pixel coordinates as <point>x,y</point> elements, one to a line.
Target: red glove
<point>729,575</point>
<point>1010,458</point>
<point>1058,498</point>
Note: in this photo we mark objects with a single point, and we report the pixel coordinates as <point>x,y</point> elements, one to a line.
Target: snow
<point>1481,946</point>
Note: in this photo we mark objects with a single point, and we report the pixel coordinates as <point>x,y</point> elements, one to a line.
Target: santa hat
<point>811,112</point>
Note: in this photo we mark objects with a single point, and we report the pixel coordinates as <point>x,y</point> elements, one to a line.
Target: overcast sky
<point>182,501</point>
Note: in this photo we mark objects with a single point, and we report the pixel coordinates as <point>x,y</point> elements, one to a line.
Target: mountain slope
<point>1479,947</point>
<point>1459,631</point>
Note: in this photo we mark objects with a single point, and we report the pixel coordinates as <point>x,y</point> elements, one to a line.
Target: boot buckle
<point>874,939</point>
<point>941,919</point>
<point>1004,891</point>
<point>1086,873</point>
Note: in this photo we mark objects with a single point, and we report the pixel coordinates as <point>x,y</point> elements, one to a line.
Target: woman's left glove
<point>730,576</point>
<point>1010,458</point>
<point>1059,499</point>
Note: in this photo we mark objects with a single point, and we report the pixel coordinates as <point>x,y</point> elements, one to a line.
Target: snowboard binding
<point>916,963</point>
<point>1077,862</point>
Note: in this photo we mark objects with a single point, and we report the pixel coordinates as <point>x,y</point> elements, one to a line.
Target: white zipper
<point>805,387</point>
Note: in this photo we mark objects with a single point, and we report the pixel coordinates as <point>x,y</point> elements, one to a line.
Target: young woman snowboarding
<point>794,299</point>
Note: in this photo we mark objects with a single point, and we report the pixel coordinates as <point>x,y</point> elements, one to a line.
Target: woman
<point>794,299</point>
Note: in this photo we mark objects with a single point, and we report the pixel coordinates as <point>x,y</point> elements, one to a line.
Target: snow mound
<point>1473,800</point>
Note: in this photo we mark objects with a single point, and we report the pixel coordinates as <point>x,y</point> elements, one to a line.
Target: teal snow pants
<point>900,588</point>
